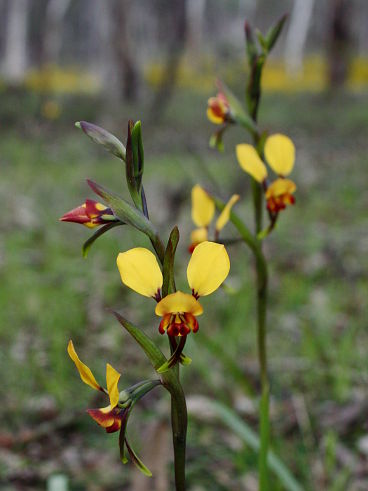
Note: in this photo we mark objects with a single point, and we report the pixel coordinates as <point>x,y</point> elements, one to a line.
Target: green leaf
<point>89,242</point>
<point>250,437</point>
<point>153,353</point>
<point>237,110</point>
<point>138,154</point>
<point>103,137</point>
<point>262,41</point>
<point>129,168</point>
<point>136,460</point>
<point>274,32</point>
<point>168,267</point>
<point>124,211</point>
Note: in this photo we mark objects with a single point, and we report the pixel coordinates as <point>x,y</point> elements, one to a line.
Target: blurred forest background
<point>106,61</point>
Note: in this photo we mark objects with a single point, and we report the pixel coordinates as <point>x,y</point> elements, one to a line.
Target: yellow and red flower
<point>218,110</point>
<point>111,416</point>
<point>114,417</point>
<point>279,151</point>
<point>208,267</point>
<point>203,211</point>
<point>90,214</point>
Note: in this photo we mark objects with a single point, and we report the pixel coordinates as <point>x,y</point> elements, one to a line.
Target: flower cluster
<point>208,267</point>
<point>203,211</point>
<point>279,152</point>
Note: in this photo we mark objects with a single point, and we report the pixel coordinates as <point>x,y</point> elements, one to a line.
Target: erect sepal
<point>168,267</point>
<point>103,137</point>
<point>237,111</point>
<point>153,353</point>
<point>274,32</point>
<point>124,211</point>
<point>89,242</point>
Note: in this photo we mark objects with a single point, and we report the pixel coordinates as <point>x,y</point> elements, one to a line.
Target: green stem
<point>171,378</point>
<point>179,422</point>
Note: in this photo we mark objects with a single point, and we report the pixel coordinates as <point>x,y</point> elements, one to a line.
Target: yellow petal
<point>213,117</point>
<point>250,161</point>
<point>225,214</point>
<point>280,154</point>
<point>139,270</point>
<point>178,302</point>
<point>208,267</point>
<point>280,187</point>
<point>203,207</point>
<point>112,379</point>
<point>85,373</point>
<point>199,235</point>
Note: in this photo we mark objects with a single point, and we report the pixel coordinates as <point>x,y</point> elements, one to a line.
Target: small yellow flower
<point>279,151</point>
<point>208,267</point>
<point>203,211</point>
<point>111,416</point>
<point>218,110</point>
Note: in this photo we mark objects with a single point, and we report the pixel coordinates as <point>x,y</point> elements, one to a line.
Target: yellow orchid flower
<point>279,151</point>
<point>208,267</point>
<point>203,211</point>
<point>218,110</point>
<point>111,416</point>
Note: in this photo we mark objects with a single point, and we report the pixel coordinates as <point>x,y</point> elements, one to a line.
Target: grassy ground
<point>317,321</point>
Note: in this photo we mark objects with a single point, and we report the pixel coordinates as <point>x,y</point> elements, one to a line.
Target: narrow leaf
<point>274,32</point>
<point>103,137</point>
<point>153,353</point>
<point>138,154</point>
<point>124,211</point>
<point>250,437</point>
<point>89,242</point>
<point>169,258</point>
<point>136,460</point>
<point>129,168</point>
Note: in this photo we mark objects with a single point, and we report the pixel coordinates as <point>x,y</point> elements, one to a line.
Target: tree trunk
<point>126,66</point>
<point>339,42</point>
<point>297,35</point>
<point>53,38</point>
<point>15,56</point>
<point>176,30</point>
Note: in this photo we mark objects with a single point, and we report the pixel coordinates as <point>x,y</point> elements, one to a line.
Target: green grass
<point>317,335</point>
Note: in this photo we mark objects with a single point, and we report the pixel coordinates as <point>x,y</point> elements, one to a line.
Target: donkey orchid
<point>208,267</point>
<point>203,211</point>
<point>279,151</point>
<point>90,214</point>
